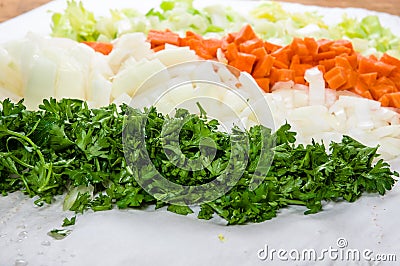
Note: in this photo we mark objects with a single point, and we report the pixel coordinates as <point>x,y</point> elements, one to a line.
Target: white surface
<point>133,237</point>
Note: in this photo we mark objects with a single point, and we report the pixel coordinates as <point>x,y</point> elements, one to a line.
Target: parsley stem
<point>203,113</point>
<point>26,185</point>
<point>48,176</point>
<point>293,202</point>
<point>34,128</point>
<point>34,146</point>
<point>21,162</point>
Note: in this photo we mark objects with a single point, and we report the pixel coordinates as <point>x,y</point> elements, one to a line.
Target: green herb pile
<point>67,148</point>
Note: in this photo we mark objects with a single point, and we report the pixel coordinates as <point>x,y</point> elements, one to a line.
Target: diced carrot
<point>299,80</point>
<point>340,50</point>
<point>321,68</point>
<point>368,78</point>
<point>353,60</point>
<point>385,101</point>
<point>270,47</point>
<point>382,86</point>
<point>249,45</point>
<point>395,77</point>
<point>225,42</point>
<point>231,52</point>
<point>244,62</point>
<point>184,42</point>
<point>311,45</point>
<point>344,43</point>
<point>280,65</point>
<point>157,37</point>
<point>373,57</point>
<point>299,47</point>
<point>285,74</point>
<point>295,60</point>
<point>263,83</point>
<point>394,99</point>
<point>336,77</point>
<point>101,47</point>
<point>193,35</point>
<point>342,62</point>
<point>300,69</point>
<point>360,87</point>
<point>367,94</point>
<point>327,63</point>
<point>384,69</point>
<point>263,66</point>
<point>367,65</point>
<point>325,55</point>
<point>159,48</point>
<point>259,52</point>
<point>245,33</point>
<point>307,59</point>
<point>273,76</point>
<point>390,60</point>
<point>212,46</point>
<point>200,49</point>
<point>352,77</point>
<point>324,45</point>
<point>232,36</point>
<point>283,55</point>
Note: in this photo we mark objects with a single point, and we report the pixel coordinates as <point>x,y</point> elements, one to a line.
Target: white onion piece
<point>172,56</point>
<point>317,86</point>
<point>129,80</point>
<point>40,82</point>
<point>205,71</point>
<point>101,91</point>
<point>10,76</point>
<point>129,45</point>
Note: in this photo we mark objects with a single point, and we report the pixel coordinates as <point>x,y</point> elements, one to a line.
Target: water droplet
<point>21,263</point>
<point>3,235</point>
<point>46,243</point>
<point>21,226</point>
<point>23,234</point>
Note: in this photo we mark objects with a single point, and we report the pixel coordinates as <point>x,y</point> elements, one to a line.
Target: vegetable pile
<point>271,21</point>
<point>336,85</point>
<point>67,147</point>
<point>342,67</point>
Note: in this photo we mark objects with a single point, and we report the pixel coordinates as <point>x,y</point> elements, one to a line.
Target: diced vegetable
<point>342,67</point>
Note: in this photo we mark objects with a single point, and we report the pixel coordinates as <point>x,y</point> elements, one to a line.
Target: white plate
<point>133,237</point>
